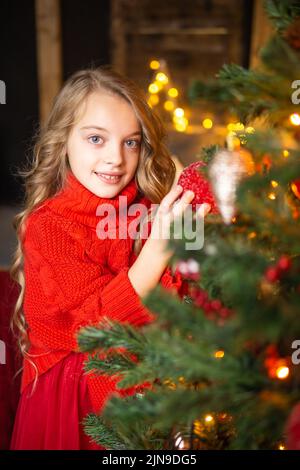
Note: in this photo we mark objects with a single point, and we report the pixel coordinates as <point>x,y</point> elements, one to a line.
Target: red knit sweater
<point>73,278</point>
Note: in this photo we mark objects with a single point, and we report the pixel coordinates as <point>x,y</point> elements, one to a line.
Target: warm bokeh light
<point>154,64</point>
<point>250,130</point>
<point>295,119</point>
<point>251,235</point>
<point>153,100</point>
<point>169,105</point>
<point>281,447</point>
<point>235,126</point>
<point>173,92</point>
<point>209,419</point>
<point>158,84</point>
<point>153,88</point>
<point>162,77</point>
<point>180,120</point>
<point>282,372</point>
<point>274,183</point>
<point>180,127</point>
<point>219,354</point>
<point>272,196</point>
<point>285,153</point>
<point>180,123</point>
<point>179,112</point>
<point>207,123</point>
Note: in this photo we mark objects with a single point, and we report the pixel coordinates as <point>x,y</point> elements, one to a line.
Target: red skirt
<point>51,419</point>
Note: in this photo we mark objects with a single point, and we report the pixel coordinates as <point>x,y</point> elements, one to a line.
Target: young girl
<point>100,142</point>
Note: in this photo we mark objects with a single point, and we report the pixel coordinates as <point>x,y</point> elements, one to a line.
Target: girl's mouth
<point>109,179</point>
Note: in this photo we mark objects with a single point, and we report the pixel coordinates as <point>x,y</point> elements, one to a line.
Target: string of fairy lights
<point>162,88</point>
<point>162,91</point>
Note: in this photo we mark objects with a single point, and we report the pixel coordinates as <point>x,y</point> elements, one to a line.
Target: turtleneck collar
<point>78,203</point>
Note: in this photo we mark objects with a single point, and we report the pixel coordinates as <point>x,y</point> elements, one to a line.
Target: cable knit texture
<point>73,278</point>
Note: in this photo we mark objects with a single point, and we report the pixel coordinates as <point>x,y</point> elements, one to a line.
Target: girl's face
<point>106,140</point>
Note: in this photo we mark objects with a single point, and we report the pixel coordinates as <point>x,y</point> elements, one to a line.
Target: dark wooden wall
<point>195,36</point>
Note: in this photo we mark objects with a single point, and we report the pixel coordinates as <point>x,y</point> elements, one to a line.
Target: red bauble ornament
<point>272,274</point>
<point>293,429</point>
<point>284,263</point>
<point>193,179</point>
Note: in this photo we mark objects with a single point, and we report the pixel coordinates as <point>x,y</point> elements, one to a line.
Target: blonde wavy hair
<point>46,174</point>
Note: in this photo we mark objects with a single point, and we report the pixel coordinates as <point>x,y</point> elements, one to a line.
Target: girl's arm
<point>146,271</point>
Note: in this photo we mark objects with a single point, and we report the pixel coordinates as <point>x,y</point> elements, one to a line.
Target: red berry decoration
<point>193,179</point>
<point>213,309</point>
<point>272,274</point>
<point>284,263</point>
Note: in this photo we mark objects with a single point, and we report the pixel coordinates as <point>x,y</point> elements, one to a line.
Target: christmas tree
<point>222,360</point>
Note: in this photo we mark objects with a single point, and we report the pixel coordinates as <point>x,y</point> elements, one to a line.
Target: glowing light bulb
<point>173,92</point>
<point>207,123</point>
<point>295,119</point>
<point>180,127</point>
<point>154,99</point>
<point>219,354</point>
<point>209,419</point>
<point>179,112</point>
<point>158,84</point>
<point>154,64</point>
<point>235,126</point>
<point>153,88</point>
<point>169,105</point>
<point>162,77</point>
<point>282,372</point>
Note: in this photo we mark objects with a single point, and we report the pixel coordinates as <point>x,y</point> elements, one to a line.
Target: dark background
<point>85,41</point>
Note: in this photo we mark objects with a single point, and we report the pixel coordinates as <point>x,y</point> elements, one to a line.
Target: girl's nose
<point>114,155</point>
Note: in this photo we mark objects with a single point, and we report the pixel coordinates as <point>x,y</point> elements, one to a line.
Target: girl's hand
<point>170,208</point>
<point>153,259</point>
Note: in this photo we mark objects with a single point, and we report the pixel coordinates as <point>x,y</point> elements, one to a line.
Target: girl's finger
<point>181,205</point>
<point>168,200</point>
<point>203,209</point>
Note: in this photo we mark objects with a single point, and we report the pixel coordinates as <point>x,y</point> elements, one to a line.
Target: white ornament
<point>226,171</point>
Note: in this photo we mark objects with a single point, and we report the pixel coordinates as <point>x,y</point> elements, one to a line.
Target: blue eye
<point>93,139</point>
<point>137,142</point>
